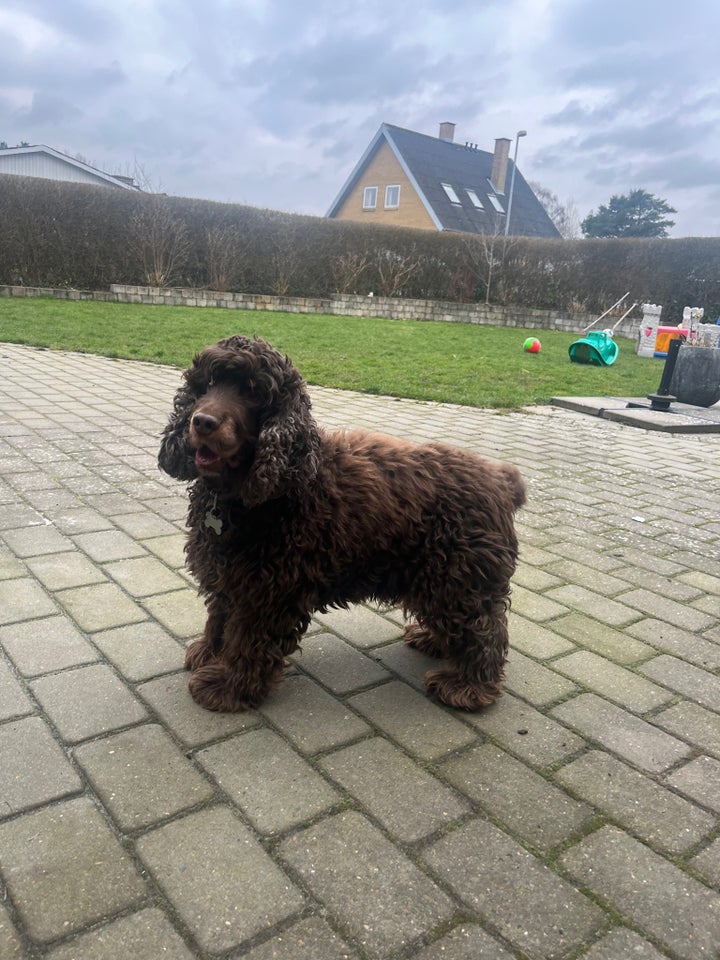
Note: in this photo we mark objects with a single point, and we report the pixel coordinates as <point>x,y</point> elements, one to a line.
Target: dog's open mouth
<point>207,459</point>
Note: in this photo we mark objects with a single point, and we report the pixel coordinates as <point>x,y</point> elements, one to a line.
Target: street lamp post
<point>520,133</point>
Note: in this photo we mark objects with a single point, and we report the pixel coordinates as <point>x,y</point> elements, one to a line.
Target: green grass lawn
<point>448,362</point>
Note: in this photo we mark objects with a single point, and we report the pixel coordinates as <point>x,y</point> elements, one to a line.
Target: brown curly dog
<point>286,519</point>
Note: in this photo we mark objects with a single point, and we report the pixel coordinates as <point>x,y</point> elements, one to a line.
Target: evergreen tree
<point>635,214</point>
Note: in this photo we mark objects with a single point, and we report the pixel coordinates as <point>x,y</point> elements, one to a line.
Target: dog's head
<point>241,421</point>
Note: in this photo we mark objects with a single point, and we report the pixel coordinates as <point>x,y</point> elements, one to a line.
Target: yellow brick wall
<point>382,171</point>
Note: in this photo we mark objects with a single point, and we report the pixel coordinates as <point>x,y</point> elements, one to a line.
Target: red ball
<point>532,345</point>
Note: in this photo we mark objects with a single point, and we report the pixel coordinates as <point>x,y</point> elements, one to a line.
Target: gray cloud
<point>271,102</point>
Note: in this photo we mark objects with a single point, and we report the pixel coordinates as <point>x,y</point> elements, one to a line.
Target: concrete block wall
<point>345,305</point>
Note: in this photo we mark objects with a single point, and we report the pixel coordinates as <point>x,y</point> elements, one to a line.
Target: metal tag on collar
<point>213,520</point>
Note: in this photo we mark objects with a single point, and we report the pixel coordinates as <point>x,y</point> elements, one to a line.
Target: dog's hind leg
<point>476,658</point>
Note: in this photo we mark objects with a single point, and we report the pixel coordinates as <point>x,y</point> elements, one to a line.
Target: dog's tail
<point>514,483</point>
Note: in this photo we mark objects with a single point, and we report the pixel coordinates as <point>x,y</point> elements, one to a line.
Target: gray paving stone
<point>11,947</point>
<point>420,726</point>
<point>677,614</point>
<point>699,780</point>
<point>10,569</point>
<point>360,625</point>
<point>535,606</point>
<point>36,540</point>
<point>23,599</point>
<point>584,575</point>
<point>377,896</point>
<point>337,665</point>
<point>274,787</point>
<point>623,944</point>
<point>310,718</point>
<point>14,702</point>
<point>181,612</point>
<point>636,741</point>
<point>141,776</point>
<point>536,641</point>
<point>100,607</point>
<point>168,549</point>
<point>524,802</point>
<point>59,571</point>
<point>692,723</point>
<point>691,681</point>
<point>143,524</point>
<point>535,683</point>
<point>466,942</point>
<point>661,818</point>
<point>614,613</point>
<point>48,776</point>
<point>169,698</point>
<point>142,935</point>
<point>682,643</point>
<point>141,650</point>
<point>310,939</point>
<point>410,665</point>
<point>707,863</point>
<point>144,576</point>
<point>108,545</point>
<point>382,779</point>
<point>222,884</point>
<point>613,682</point>
<point>526,733</point>
<point>64,869</point>
<point>532,907</point>
<point>593,635</point>
<point>40,646</point>
<point>667,904</point>
<point>87,702</point>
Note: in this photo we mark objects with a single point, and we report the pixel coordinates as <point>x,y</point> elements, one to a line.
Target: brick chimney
<point>500,164</point>
<point>447,131</point>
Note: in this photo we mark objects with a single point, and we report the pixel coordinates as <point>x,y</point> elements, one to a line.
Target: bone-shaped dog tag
<point>212,520</point>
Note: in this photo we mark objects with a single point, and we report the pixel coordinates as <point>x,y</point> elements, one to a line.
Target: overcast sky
<point>272,102</point>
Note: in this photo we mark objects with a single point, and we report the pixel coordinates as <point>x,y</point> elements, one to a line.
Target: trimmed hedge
<point>58,234</point>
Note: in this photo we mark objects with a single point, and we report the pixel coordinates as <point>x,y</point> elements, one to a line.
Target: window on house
<point>450,193</point>
<point>392,197</point>
<point>474,199</point>
<point>369,198</point>
<point>495,202</point>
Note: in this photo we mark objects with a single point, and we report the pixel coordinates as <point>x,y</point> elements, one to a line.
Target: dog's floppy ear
<point>286,454</point>
<point>176,457</point>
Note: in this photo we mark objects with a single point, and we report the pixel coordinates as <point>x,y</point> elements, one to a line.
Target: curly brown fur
<point>286,519</point>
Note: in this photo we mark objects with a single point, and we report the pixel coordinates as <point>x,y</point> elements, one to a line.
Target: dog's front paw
<point>214,686</point>
<point>456,691</point>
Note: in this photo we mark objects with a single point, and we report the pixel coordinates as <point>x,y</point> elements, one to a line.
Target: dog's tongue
<point>204,457</point>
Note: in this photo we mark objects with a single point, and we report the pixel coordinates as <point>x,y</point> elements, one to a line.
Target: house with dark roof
<point>42,161</point>
<point>410,179</point>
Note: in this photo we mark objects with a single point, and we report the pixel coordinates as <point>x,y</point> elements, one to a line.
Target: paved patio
<point>351,817</point>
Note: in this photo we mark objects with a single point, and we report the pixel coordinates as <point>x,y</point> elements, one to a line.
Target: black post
<point>662,399</point>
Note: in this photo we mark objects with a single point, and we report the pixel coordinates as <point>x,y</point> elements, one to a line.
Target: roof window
<point>474,199</point>
<point>450,193</point>
<point>495,202</point>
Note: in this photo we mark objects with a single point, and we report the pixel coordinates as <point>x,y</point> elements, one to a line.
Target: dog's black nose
<point>205,423</point>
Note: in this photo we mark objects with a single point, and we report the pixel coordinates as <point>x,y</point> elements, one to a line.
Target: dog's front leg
<point>208,646</point>
<point>242,674</point>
